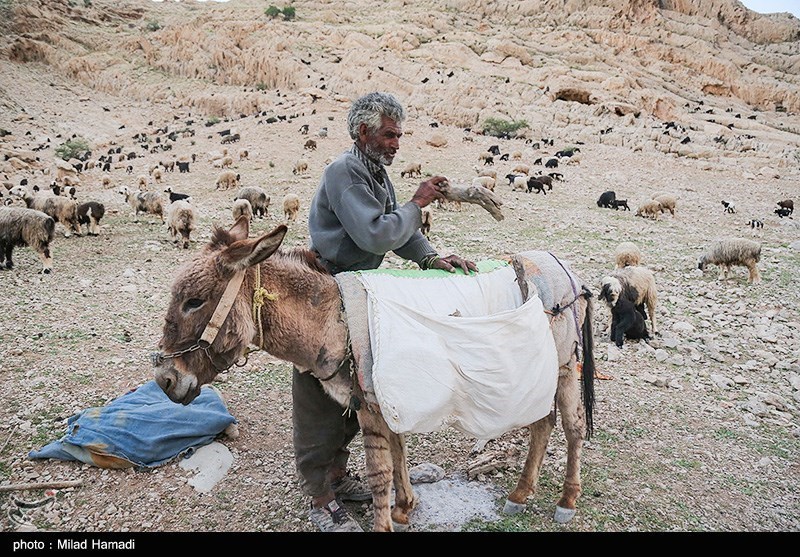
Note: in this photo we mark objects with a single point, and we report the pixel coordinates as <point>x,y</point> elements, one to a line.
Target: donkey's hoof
<point>398,527</point>
<point>513,508</point>
<point>563,515</point>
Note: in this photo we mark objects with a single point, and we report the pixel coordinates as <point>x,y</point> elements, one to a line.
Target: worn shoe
<point>350,488</point>
<point>333,518</point>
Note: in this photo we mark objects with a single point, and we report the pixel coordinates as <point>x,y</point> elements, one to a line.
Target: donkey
<point>211,320</point>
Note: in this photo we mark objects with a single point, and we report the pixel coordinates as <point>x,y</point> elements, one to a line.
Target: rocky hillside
<point>583,66</point>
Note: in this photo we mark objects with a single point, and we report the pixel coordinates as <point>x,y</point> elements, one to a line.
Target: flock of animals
<point>31,221</point>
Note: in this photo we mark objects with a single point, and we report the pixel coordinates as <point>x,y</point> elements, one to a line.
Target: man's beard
<point>374,154</point>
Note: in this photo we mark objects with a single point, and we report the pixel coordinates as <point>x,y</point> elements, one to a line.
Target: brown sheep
<point>227,180</point>
<point>650,209</point>
<point>627,254</point>
<point>20,227</point>
<point>668,203</point>
<point>291,206</point>
<point>63,209</point>
<point>411,170</point>
<point>144,202</point>
<point>300,167</point>
<point>242,207</point>
<point>181,221</point>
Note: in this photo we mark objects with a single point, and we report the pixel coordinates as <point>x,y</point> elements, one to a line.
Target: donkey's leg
<point>526,485</point>
<point>377,451</point>
<point>404,500</point>
<point>573,420</point>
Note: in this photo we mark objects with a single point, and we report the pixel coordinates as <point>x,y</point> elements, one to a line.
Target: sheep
<point>649,209</point>
<point>227,180</point>
<point>486,158</point>
<point>729,207</point>
<point>411,170</point>
<point>62,209</point>
<point>175,196</point>
<point>141,182</point>
<point>621,203</point>
<point>486,181</point>
<point>181,221</point>
<point>258,198</point>
<point>291,206</point>
<point>106,182</point>
<point>226,162</point>
<point>232,138</point>
<point>486,172</point>
<point>668,203</point>
<point>144,202</point>
<point>244,154</point>
<point>90,213</point>
<point>787,204</point>
<point>517,182</point>
<point>637,284</point>
<point>521,169</point>
<point>427,220</point>
<point>20,227</point>
<point>310,145</point>
<point>516,156</point>
<point>729,252</point>
<point>606,199</point>
<point>242,207</point>
<point>300,167</point>
<point>626,254</point>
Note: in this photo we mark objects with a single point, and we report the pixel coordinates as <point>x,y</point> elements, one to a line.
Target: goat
<point>606,199</point>
<point>728,207</point>
<point>551,163</point>
<point>20,227</point>
<point>783,212</point>
<point>175,196</point>
<point>729,252</point>
<point>787,204</point>
<point>535,184</point>
<point>637,284</point>
<point>617,203</point>
<point>90,213</point>
<point>181,221</point>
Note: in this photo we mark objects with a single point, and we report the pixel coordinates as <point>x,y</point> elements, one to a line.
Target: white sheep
<point>729,252</point>
<point>148,202</point>
<point>668,203</point>
<point>291,206</point>
<point>242,207</point>
<point>626,254</point>
<point>258,198</point>
<point>181,221</point>
<point>300,167</point>
<point>521,169</point>
<point>63,209</point>
<point>412,169</point>
<point>21,227</point>
<point>486,181</point>
<point>636,283</point>
<point>485,172</point>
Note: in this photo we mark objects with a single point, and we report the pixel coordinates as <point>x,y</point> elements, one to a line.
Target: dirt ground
<point>696,430</point>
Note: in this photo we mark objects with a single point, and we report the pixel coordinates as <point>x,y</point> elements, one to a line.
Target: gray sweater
<point>354,219</point>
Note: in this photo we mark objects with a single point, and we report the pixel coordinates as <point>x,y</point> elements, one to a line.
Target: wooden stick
<point>477,195</point>
<point>42,485</point>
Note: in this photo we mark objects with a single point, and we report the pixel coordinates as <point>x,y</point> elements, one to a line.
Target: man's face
<point>383,144</point>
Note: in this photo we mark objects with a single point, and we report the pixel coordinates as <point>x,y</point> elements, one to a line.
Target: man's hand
<point>450,263</point>
<point>429,191</point>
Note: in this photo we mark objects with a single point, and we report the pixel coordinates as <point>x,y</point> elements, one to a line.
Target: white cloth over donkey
<point>454,350</point>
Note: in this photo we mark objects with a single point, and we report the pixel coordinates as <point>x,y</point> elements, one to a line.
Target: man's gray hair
<point>370,108</point>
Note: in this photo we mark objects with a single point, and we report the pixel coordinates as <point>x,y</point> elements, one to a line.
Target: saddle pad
<point>458,351</point>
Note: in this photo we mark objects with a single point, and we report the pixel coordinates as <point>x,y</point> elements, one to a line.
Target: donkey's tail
<point>588,367</point>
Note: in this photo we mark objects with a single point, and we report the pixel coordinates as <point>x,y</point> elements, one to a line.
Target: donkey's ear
<point>246,253</point>
<point>240,229</point>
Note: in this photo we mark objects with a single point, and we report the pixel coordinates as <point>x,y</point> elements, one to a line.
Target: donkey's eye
<point>192,303</point>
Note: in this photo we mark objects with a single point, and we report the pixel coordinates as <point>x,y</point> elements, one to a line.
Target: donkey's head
<point>199,340</point>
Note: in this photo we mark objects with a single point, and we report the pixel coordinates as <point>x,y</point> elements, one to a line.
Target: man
<point>354,220</point>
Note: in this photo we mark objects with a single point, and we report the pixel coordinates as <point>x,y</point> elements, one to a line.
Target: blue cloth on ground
<point>140,428</point>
